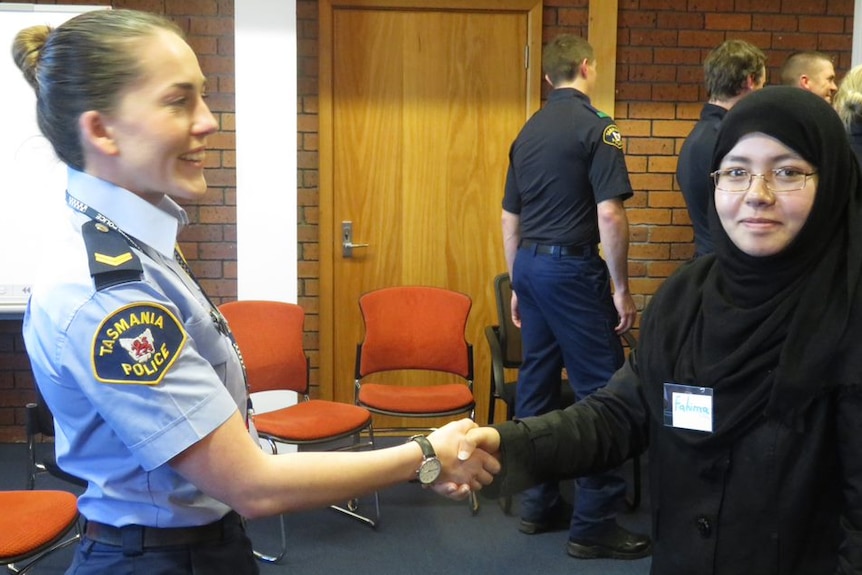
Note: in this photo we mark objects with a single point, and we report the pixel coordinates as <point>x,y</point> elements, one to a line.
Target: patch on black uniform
<point>612,136</point>
<point>137,344</point>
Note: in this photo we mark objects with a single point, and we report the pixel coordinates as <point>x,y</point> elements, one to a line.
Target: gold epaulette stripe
<point>113,261</point>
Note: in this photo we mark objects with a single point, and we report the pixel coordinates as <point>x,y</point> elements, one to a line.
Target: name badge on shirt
<point>688,407</point>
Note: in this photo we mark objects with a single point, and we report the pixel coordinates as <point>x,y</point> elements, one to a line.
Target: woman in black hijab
<point>746,386</point>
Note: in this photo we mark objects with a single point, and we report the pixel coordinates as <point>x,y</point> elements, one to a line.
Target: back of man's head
<point>562,57</point>
<point>729,66</point>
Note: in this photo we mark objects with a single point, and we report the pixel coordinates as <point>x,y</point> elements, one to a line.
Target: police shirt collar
<point>565,93</point>
<point>155,226</point>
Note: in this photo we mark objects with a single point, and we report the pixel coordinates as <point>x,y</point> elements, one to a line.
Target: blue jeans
<point>567,320</point>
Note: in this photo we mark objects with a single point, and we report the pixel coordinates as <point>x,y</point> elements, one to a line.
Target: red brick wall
<point>659,96</point>
<point>308,211</point>
<point>660,93</point>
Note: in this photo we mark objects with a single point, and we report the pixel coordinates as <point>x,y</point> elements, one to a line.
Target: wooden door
<point>419,102</point>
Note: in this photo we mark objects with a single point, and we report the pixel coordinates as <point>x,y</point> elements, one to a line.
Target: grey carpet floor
<point>419,533</point>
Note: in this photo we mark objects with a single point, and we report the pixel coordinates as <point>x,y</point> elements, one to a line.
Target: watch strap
<point>427,449</point>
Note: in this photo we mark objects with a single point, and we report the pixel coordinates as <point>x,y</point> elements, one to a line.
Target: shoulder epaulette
<point>112,260</point>
<point>598,112</point>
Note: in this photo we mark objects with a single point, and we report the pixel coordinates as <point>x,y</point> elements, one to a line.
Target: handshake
<point>469,455</point>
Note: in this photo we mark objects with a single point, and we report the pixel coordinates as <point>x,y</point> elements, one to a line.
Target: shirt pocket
<point>211,344</point>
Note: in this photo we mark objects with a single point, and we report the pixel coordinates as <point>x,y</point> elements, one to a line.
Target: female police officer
<point>130,355</point>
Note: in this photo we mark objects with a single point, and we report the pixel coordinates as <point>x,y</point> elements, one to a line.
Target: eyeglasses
<point>777,180</point>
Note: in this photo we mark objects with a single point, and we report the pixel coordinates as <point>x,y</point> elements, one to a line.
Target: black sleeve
<point>609,174</point>
<point>595,434</point>
<point>849,428</point>
<point>511,194</point>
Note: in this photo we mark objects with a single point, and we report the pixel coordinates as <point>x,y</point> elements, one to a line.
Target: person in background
<point>137,365</point>
<point>812,71</point>
<point>564,193</point>
<point>745,386</point>
<point>732,70</point>
<point>848,104</point>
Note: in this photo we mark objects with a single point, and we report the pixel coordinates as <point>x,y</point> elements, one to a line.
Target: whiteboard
<point>32,179</point>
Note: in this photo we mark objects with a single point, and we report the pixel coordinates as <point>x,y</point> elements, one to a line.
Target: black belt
<point>149,537</point>
<point>582,250</point>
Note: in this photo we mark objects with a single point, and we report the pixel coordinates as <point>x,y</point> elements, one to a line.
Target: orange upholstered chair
<point>269,335</point>
<point>34,523</point>
<point>413,329</point>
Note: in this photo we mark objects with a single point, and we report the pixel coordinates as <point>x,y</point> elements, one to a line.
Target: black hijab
<point>767,334</point>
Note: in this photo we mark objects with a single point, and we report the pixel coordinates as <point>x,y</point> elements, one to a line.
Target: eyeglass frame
<point>766,182</point>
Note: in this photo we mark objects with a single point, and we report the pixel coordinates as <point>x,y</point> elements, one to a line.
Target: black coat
<point>856,139</point>
<point>776,501</point>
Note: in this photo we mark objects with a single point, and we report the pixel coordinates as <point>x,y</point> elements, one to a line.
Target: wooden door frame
<point>602,36</point>
<point>328,248</point>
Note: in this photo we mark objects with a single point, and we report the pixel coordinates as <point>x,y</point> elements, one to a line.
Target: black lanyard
<point>217,318</point>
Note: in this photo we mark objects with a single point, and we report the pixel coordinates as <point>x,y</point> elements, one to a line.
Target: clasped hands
<point>470,457</point>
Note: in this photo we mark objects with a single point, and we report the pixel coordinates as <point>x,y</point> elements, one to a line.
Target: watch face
<point>430,470</point>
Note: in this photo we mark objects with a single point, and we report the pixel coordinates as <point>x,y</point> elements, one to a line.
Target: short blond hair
<point>848,99</point>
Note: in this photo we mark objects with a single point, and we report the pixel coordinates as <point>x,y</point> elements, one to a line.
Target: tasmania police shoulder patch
<point>137,344</point>
<point>612,136</point>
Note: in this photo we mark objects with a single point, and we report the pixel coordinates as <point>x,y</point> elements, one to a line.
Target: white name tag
<point>688,407</point>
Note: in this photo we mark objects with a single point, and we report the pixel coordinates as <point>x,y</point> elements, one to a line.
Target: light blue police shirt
<point>119,429</point>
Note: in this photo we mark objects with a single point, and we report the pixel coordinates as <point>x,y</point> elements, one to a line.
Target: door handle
<point>347,244</point>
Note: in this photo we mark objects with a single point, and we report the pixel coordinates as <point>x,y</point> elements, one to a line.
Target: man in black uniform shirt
<point>565,188</point>
<point>732,70</point>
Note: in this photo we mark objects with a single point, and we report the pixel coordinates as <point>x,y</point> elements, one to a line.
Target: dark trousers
<point>567,320</point>
<point>231,554</point>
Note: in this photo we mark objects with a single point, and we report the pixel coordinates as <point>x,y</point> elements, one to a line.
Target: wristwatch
<point>430,468</point>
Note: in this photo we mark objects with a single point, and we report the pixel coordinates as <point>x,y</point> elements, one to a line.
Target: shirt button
<point>704,527</point>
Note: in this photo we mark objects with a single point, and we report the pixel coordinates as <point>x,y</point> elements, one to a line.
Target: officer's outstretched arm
<point>228,466</point>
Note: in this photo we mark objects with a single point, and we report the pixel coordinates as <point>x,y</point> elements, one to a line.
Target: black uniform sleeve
<point>609,175</point>
<point>511,194</point>
<point>598,433</point>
